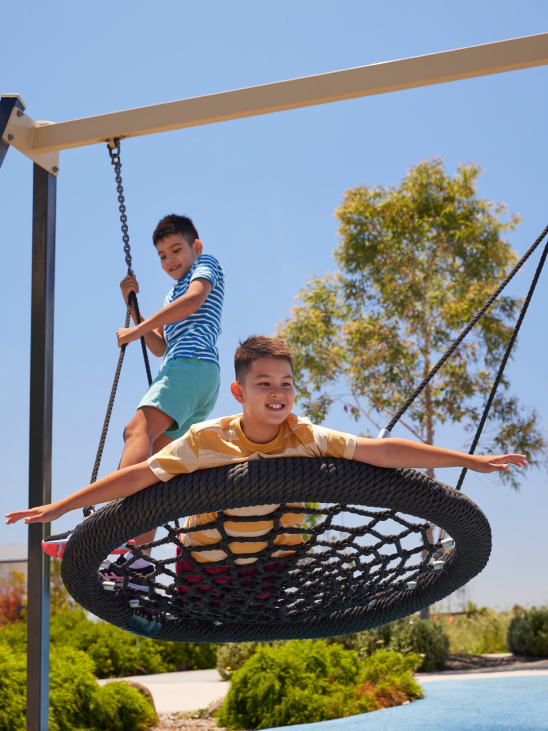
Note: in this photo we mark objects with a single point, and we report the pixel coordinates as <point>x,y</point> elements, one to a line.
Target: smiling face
<point>267,395</point>
<point>177,256</point>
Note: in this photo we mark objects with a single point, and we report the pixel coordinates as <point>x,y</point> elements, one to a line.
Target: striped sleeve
<point>334,443</point>
<point>180,457</point>
<point>207,268</point>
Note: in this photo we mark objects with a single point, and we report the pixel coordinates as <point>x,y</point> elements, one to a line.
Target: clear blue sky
<point>262,193</point>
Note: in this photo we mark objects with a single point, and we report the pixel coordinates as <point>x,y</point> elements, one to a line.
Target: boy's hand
<point>43,514</point>
<point>127,285</point>
<point>127,335</point>
<point>488,463</point>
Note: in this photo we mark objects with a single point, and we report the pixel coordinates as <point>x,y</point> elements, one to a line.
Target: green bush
<point>425,638</point>
<point>528,633</point>
<point>13,679</point>
<point>77,703</point>
<point>115,653</point>
<point>478,632</point>
<point>232,655</point>
<point>306,682</point>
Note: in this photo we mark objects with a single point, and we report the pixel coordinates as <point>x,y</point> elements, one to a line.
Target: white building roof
<point>13,552</point>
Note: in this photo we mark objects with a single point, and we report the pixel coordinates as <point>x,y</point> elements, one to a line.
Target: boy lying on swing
<point>266,429</point>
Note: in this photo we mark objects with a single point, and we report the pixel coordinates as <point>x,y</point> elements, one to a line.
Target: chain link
<point>115,160</point>
<point>114,153</point>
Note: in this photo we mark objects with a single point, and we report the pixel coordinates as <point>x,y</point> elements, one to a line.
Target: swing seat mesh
<point>351,569</point>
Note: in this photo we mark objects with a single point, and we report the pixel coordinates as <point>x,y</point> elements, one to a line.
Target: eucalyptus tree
<point>415,262</point>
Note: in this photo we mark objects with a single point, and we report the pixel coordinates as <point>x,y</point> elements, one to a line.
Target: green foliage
<point>416,262</point>
<point>476,633</point>
<point>424,638</point>
<point>13,680</point>
<point>77,703</point>
<point>13,597</point>
<point>119,707</point>
<point>115,653</point>
<point>306,682</point>
<point>232,655</point>
<point>528,633</point>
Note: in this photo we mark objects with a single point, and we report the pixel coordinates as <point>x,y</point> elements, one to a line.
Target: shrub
<point>12,690</point>
<point>528,633</point>
<point>77,703</point>
<point>425,638</point>
<point>232,655</point>
<point>477,633</point>
<point>306,682</point>
<point>115,653</point>
<point>13,597</point>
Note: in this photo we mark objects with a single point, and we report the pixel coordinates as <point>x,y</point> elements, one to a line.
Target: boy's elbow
<point>376,452</point>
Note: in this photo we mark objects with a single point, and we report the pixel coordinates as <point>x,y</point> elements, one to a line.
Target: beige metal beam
<point>409,73</point>
<point>19,133</point>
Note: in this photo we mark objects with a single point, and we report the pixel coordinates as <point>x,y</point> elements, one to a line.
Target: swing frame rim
<point>405,490</point>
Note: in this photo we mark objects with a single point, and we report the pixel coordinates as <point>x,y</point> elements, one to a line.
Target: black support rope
<point>504,361</point>
<point>449,352</point>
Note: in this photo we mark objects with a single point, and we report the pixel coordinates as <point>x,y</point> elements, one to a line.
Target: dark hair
<point>259,346</point>
<point>175,224</point>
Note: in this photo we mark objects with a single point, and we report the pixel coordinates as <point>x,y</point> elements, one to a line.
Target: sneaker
<point>113,572</point>
<point>55,545</point>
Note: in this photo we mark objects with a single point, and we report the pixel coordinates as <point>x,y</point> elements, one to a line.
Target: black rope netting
<point>336,566</point>
<point>367,561</point>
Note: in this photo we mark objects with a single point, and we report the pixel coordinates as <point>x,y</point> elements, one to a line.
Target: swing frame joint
<point>17,130</point>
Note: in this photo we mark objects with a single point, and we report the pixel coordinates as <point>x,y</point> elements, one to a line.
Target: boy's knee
<point>136,427</point>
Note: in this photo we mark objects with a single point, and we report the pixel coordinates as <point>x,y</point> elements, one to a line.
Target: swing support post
<point>40,438</point>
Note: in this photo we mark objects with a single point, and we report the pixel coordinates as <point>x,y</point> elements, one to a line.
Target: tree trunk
<point>425,612</point>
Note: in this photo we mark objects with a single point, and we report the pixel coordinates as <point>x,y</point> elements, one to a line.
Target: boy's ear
<point>237,392</point>
<point>198,247</point>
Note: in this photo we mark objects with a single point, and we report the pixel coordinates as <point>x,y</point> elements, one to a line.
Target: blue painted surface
<point>489,704</point>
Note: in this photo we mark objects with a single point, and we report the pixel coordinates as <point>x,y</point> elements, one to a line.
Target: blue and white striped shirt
<point>197,334</point>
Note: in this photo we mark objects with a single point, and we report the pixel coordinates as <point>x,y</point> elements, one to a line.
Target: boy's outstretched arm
<point>126,481</point>
<point>404,453</point>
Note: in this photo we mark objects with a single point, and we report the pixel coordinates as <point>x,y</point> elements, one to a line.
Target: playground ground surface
<point>509,698</point>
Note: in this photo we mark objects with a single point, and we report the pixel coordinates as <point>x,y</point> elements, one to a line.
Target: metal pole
<point>40,435</point>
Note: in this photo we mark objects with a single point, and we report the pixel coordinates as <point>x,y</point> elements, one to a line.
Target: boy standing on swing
<point>185,333</point>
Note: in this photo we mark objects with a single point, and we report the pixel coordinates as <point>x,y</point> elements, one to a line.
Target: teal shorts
<point>185,389</point>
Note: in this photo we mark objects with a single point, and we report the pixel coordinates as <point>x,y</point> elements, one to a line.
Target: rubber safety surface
<point>490,704</point>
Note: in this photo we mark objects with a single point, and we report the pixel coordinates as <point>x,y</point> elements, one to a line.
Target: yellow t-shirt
<point>221,442</point>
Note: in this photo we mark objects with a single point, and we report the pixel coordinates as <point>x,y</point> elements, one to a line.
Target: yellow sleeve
<point>180,457</point>
<point>335,443</point>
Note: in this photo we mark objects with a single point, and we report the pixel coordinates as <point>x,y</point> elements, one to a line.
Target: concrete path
<point>522,669</point>
<point>182,692</point>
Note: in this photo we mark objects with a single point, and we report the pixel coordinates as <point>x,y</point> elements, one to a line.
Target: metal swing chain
<point>117,163</point>
<point>114,153</point>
